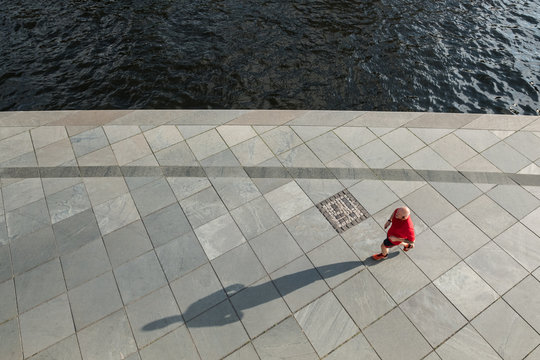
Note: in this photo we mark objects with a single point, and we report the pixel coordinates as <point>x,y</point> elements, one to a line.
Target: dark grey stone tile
<point>286,340</point>
<point>94,300</point>
<point>181,255</point>
<point>299,283</point>
<point>235,191</point>
<point>506,331</point>
<point>33,249</point>
<point>467,344</point>
<point>109,338</point>
<point>275,248</point>
<point>4,239</point>
<point>335,261</point>
<point>46,325</point>
<point>27,219</point>
<point>22,193</point>
<point>76,231</point>
<point>395,322</point>
<point>166,224</point>
<point>174,346</point>
<point>327,147</point>
<point>176,155</point>
<point>126,243</point>
<point>433,315</point>
<point>310,229</point>
<point>364,298</point>
<point>217,332</point>
<point>197,291</point>
<point>255,217</point>
<point>85,263</point>
<point>39,285</point>
<point>68,202</point>
<point>153,196</point>
<point>269,175</point>
<point>11,342</point>
<point>153,316</point>
<point>496,267</point>
<point>203,207</point>
<point>5,263</point>
<point>139,276</point>
<point>525,299</point>
<point>89,141</point>
<point>8,301</point>
<point>238,268</point>
<point>136,182</point>
<point>259,307</point>
<point>67,349</point>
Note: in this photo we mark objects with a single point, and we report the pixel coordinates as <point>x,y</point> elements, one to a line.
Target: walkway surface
<point>196,235</point>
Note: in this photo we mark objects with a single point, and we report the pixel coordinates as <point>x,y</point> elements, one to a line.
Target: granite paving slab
<point>467,344</point>
<point>176,345</point>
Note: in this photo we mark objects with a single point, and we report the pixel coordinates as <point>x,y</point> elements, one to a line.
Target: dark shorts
<point>388,244</point>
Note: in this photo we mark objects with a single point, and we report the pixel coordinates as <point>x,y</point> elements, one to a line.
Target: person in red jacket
<point>401,231</point>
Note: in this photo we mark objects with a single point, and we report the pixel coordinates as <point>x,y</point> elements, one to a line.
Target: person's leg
<point>384,250</point>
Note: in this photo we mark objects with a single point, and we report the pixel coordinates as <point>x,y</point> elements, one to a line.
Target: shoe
<point>408,247</point>
<point>379,256</point>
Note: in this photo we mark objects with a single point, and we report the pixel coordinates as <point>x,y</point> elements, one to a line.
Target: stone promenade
<point>248,234</point>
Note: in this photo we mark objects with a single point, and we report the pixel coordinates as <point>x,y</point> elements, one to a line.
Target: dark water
<point>454,56</point>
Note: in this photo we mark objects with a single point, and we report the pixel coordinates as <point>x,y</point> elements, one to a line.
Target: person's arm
<point>389,221</point>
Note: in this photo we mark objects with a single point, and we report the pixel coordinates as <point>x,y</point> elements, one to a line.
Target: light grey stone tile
<point>288,200</point>
<point>380,131</point>
<point>325,117</point>
<point>443,120</point>
<point>89,141</point>
<point>357,347</point>
<point>255,217</point>
<point>185,187</point>
<point>453,149</point>
<point>224,158</point>
<point>259,307</point>
<point>176,155</point>
<point>153,196</point>
<point>300,157</point>
<point>22,193</point>
<point>496,267</point>
<point>54,185</point>
<point>308,132</point>
<point>399,276</point>
<point>432,255</point>
<point>197,291</point>
<point>11,342</point>
<point>416,347</point>
<point>203,207</point>
<point>355,137</point>
<point>166,224</point>
<point>364,298</point>
<point>33,249</point>
<point>15,146</point>
<point>526,143</point>
<point>466,290</point>
<point>46,325</point>
<point>433,315</point>
<point>328,147</point>
<point>85,263</point>
<point>162,137</point>
<point>67,349</point>
<point>374,195</point>
<point>457,193</point>
<point>38,285</point>
<point>153,316</point>
<point>68,202</point>
<point>110,338</point>
<point>131,149</point>
<point>335,261</point>
<point>94,300</point>
<point>275,248</point>
<point>27,219</point>
<point>506,158</point>
<point>219,236</point>
<point>432,356</point>
<point>27,160</point>
<point>181,255</point>
<point>8,301</point>
<point>217,332</point>
<point>522,245</point>
<point>532,221</point>
<point>402,142</point>
<point>127,242</point>
<point>506,331</point>
<point>478,163</point>
<point>286,340</point>
<point>525,299</point>
<point>310,229</point>
<point>5,263</point>
<point>247,352</point>
<point>534,355</point>
<point>176,345</point>
<point>45,135</point>
<point>116,213</point>
<point>281,139</point>
<point>514,199</point>
<point>488,216</point>
<point>235,191</point>
<point>206,144</point>
<point>428,135</point>
<point>479,140</point>
<point>261,129</point>
<point>116,133</point>
<point>299,283</point>
<point>377,155</point>
<point>189,131</point>
<point>139,277</point>
<point>326,323</point>
<point>320,189</point>
<point>252,152</point>
<point>500,122</point>
<point>238,268</point>
<point>428,159</point>
<point>101,189</point>
<point>467,344</point>
<point>386,118</point>
<point>235,134</point>
<point>429,205</point>
<point>348,162</point>
<point>4,239</point>
<point>460,234</point>
<point>365,238</point>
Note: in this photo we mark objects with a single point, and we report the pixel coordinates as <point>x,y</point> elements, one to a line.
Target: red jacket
<point>403,229</point>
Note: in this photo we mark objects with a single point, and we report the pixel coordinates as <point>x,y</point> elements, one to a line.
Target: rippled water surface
<point>465,56</point>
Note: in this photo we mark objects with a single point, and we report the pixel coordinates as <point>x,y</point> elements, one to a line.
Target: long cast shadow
<point>249,297</point>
